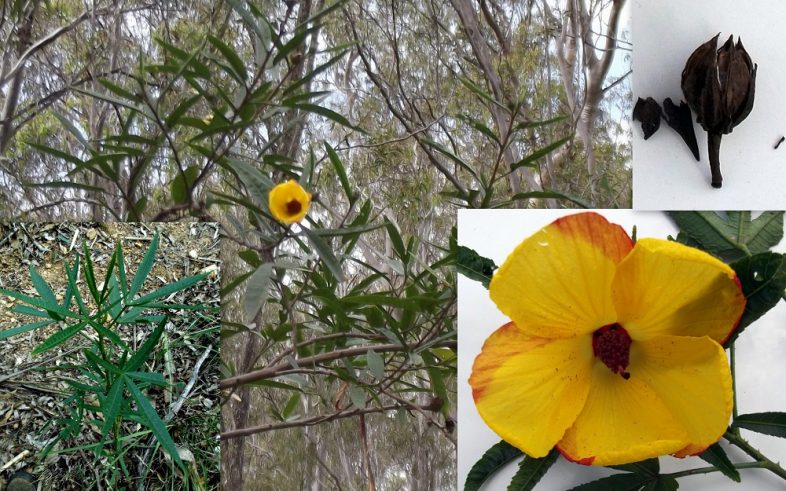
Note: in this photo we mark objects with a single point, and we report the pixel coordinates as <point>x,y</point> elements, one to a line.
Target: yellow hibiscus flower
<point>614,350</point>
<point>289,202</point>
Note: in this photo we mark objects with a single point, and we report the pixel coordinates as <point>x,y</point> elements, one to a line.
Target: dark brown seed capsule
<point>719,86</point>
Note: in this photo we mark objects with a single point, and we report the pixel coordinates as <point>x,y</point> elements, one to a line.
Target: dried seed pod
<point>719,86</point>
<point>648,112</point>
<point>679,118</point>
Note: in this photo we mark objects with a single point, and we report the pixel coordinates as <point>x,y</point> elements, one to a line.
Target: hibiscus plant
<point>110,390</point>
<point>616,353</point>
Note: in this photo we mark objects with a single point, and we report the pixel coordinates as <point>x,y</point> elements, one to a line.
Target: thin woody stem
<point>746,447</point>
<point>713,144</point>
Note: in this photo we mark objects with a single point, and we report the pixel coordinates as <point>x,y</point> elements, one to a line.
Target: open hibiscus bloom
<point>289,202</point>
<point>614,350</point>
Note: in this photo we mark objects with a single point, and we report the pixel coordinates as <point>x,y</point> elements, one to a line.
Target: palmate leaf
<point>494,459</point>
<point>733,235</point>
<point>151,419</point>
<point>763,280</point>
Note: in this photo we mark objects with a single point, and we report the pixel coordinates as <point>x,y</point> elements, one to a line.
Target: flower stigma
<point>294,207</point>
<point>611,344</point>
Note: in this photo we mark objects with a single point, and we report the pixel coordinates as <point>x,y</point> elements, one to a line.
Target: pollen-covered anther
<point>612,345</point>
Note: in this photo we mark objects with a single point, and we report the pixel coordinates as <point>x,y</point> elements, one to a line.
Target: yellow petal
<point>530,390</point>
<point>622,421</point>
<point>289,202</point>
<point>691,376</point>
<point>557,283</point>
<point>663,287</point>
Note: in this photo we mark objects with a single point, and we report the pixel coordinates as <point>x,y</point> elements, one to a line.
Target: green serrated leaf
<point>716,456</point>
<point>769,423</point>
<point>763,281</point>
<point>494,459</point>
<point>111,407</point>
<point>649,467</point>
<point>397,242</point>
<point>531,470</point>
<point>327,113</point>
<point>617,482</point>
<point>58,338</point>
<point>474,266</point>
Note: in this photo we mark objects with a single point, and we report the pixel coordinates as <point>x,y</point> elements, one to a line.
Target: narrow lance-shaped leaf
<point>89,274</point>
<point>72,275</point>
<point>58,338</point>
<point>257,290</point>
<point>340,171</point>
<point>169,289</point>
<point>154,422</point>
<point>147,347</point>
<point>716,456</point>
<point>22,329</point>
<point>111,408</point>
<point>769,423</point>
<point>534,156</point>
<point>325,253</point>
<point>144,267</point>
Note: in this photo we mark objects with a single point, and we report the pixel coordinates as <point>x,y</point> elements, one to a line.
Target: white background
<point>761,364</point>
<point>665,174</point>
